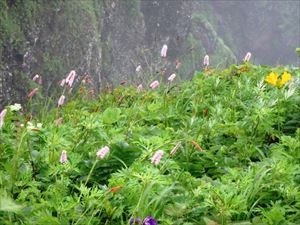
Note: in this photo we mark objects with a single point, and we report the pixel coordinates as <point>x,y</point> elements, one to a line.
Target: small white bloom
<point>15,107</point>
<point>139,68</point>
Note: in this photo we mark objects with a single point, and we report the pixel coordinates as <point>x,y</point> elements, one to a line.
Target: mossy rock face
<point>109,39</point>
<point>49,38</point>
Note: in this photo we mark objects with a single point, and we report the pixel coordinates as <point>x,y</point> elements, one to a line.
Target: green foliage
<point>237,160</point>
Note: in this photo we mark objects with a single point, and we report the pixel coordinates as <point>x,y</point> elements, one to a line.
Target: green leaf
<point>111,115</point>
<point>7,204</point>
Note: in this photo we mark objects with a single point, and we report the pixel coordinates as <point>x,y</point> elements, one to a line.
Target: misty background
<point>108,39</point>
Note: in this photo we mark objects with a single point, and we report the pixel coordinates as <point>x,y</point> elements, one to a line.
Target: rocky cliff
<point>108,39</point>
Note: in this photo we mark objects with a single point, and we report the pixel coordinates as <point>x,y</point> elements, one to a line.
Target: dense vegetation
<point>236,159</point>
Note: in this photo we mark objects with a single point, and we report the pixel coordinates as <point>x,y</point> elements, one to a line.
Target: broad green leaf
<point>111,115</point>
<point>7,204</point>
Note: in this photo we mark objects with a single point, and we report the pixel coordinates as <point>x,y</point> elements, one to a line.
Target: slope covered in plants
<point>223,148</point>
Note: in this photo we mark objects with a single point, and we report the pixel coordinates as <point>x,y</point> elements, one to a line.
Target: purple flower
<point>135,221</point>
<point>149,221</point>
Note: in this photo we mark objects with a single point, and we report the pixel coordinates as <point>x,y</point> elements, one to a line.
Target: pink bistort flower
<point>164,50</point>
<point>2,115</point>
<point>101,153</point>
<point>154,84</point>
<point>206,60</point>
<point>63,157</point>
<point>247,57</point>
<point>61,100</point>
<point>157,157</point>
<point>32,93</point>
<point>70,78</point>
<point>35,77</point>
<point>172,77</point>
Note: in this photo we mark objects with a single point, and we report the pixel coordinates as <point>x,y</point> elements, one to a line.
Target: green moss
<point>193,59</point>
<point>222,55</point>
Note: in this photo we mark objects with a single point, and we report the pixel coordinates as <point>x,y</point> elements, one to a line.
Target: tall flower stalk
<point>16,159</point>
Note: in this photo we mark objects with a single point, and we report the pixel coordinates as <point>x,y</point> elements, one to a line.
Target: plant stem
<point>16,160</point>
<point>90,173</point>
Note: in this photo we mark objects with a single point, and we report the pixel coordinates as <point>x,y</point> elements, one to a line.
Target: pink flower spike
<point>62,83</point>
<point>164,50</point>
<point>172,77</point>
<point>157,157</point>
<point>2,115</point>
<point>61,100</point>
<point>138,69</point>
<point>59,121</point>
<point>72,72</point>
<point>174,150</point>
<point>63,157</point>
<point>32,93</point>
<point>206,60</point>
<point>154,84</point>
<point>139,88</point>
<point>247,57</point>
<point>35,77</point>
<point>70,78</point>
<point>101,153</point>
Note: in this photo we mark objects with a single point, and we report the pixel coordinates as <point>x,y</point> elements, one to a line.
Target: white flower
<point>15,107</point>
<point>139,68</point>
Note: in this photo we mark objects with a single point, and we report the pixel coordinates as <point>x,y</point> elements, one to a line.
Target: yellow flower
<point>284,79</point>
<point>272,78</point>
